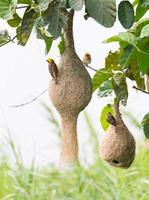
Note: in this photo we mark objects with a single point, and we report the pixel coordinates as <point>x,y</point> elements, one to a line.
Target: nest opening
<point>115,161</point>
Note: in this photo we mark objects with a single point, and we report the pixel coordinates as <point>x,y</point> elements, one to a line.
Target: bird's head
<point>50,60</point>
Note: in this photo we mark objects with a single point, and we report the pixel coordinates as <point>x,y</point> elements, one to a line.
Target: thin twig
<point>140,90</point>
<point>20,7</point>
<point>31,101</point>
<point>95,70</point>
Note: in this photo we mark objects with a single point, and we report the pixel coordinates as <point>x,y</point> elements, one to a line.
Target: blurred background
<point>35,128</point>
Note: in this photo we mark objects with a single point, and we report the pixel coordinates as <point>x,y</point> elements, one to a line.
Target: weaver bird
<point>53,69</point>
<point>87,59</point>
<point>111,119</point>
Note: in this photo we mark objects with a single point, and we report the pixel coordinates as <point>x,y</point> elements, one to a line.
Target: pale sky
<point>24,74</point>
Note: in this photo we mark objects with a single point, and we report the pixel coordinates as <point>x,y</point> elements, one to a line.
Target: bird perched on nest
<point>87,59</point>
<point>111,119</point>
<point>53,69</point>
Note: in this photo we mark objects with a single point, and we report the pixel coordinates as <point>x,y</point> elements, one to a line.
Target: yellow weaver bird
<point>53,69</point>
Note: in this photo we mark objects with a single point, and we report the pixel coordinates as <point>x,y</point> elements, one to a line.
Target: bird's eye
<point>115,161</point>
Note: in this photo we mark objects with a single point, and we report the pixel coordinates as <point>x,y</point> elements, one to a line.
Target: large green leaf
<point>76,4</point>
<point>145,31</point>
<point>126,37</point>
<point>127,55</point>
<point>140,11</point>
<point>139,25</point>
<point>145,123</point>
<point>26,26</point>
<point>107,109</point>
<point>54,19</point>
<point>133,72</point>
<point>101,76</point>
<point>7,8</point>
<point>126,14</point>
<point>103,11</point>
<point>120,87</point>
<point>129,62</point>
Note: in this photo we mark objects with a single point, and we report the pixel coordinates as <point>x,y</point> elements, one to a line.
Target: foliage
<point>131,60</point>
<point>126,14</point>
<point>48,18</point>
<point>98,181</point>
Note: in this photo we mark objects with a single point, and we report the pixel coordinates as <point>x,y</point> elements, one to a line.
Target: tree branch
<point>140,90</point>
<point>95,70</point>
<point>31,101</point>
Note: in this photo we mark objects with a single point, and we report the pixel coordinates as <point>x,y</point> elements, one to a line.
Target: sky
<point>24,74</point>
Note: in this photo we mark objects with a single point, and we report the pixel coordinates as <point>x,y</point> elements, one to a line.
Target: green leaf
<point>139,25</point>
<point>127,55</point>
<point>105,89</point>
<point>126,14</point>
<point>48,42</point>
<point>101,76</point>
<point>120,87</point>
<point>145,3</point>
<point>112,61</point>
<point>4,36</point>
<point>145,31</point>
<point>7,8</point>
<point>126,37</point>
<point>26,26</point>
<point>145,123</point>
<point>76,4</point>
<point>140,11</point>
<point>143,61</point>
<point>133,72</point>
<point>43,34</point>
<point>103,11</point>
<point>61,45</point>
<point>107,109</point>
<point>15,21</point>
<point>54,19</point>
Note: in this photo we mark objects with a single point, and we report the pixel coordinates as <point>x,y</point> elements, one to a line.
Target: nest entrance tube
<point>69,143</point>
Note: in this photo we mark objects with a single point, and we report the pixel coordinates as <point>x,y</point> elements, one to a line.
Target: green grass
<point>99,182</point>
